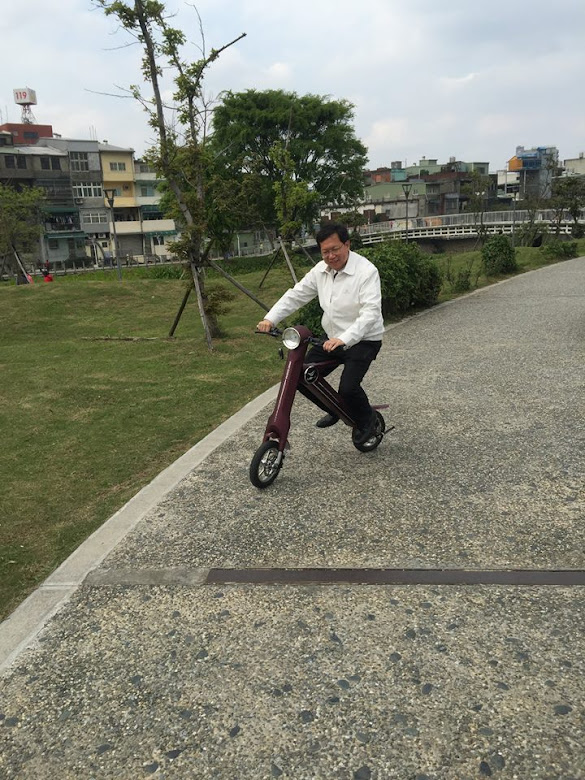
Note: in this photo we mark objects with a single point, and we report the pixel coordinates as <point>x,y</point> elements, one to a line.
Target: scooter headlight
<point>291,338</point>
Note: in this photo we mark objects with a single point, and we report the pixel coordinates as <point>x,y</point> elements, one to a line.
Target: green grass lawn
<point>86,422</point>
<point>87,417</point>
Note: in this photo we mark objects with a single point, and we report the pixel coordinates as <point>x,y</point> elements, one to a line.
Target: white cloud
<point>449,84</point>
<point>437,80</point>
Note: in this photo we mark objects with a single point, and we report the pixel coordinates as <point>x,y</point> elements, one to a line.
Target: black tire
<point>266,464</point>
<point>374,439</point>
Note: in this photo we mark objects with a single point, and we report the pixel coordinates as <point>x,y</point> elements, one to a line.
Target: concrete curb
<point>22,627</point>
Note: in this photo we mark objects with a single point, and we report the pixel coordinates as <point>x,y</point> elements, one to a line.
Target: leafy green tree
<point>181,155</point>
<point>294,201</point>
<point>301,151</point>
<point>20,220</point>
<point>568,196</point>
<point>477,190</point>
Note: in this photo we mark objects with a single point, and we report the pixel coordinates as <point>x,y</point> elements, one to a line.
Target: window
<point>79,161</point>
<point>87,189</point>
<point>53,243</point>
<point>144,168</point>
<point>94,217</point>
<point>30,135</point>
<point>15,161</point>
<point>50,163</point>
<point>117,166</point>
<point>158,240</point>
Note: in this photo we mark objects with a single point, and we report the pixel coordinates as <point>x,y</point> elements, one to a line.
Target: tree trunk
<point>180,312</point>
<point>210,325</point>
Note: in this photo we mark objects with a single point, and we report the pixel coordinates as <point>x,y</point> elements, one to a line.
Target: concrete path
<point>128,663</point>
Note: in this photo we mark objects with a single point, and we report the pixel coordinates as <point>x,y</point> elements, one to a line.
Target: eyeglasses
<point>334,251</point>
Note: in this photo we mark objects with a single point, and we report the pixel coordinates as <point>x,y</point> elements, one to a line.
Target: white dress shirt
<point>351,300</point>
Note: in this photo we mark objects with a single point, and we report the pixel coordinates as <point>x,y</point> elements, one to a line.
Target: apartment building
<point>575,166</point>
<point>78,176</point>
<point>86,185</point>
<point>46,167</point>
<point>158,232</point>
<point>536,167</point>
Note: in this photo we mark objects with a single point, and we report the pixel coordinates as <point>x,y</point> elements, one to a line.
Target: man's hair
<point>330,229</point>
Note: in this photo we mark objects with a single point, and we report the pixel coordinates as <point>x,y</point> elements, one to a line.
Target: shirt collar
<point>348,268</point>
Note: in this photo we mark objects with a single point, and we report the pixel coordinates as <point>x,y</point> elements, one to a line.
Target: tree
<point>181,155</point>
<point>301,152</point>
<point>477,190</point>
<point>20,220</point>
<point>568,195</point>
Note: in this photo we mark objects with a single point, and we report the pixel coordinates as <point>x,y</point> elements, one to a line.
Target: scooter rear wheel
<point>266,464</point>
<point>375,438</point>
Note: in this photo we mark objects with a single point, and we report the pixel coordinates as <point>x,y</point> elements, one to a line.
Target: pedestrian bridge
<point>467,225</point>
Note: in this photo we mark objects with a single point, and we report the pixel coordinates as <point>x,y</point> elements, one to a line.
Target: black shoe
<point>361,435</point>
<point>325,422</point>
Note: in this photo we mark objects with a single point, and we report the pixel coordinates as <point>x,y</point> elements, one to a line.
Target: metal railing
<point>468,224</point>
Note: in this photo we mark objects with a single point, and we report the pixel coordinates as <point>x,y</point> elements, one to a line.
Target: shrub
<point>498,256</point>
<point>461,281</point>
<point>409,278</point>
<point>559,250</point>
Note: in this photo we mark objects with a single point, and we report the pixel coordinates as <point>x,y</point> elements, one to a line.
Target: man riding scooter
<point>348,287</point>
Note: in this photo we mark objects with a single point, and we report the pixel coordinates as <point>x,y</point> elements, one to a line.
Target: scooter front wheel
<point>376,437</point>
<point>266,464</point>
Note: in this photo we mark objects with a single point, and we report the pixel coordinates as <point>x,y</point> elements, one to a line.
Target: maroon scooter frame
<point>297,372</point>
<point>268,459</point>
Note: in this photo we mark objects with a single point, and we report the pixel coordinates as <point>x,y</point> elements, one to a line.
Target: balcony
<point>147,200</point>
<point>158,226</point>
<point>127,227</point>
<point>122,202</point>
<point>143,176</point>
<point>62,225</point>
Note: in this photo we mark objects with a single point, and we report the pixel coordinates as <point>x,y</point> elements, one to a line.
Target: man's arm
<point>264,326</point>
<point>303,292</point>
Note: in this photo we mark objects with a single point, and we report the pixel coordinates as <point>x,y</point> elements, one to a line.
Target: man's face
<point>334,252</point>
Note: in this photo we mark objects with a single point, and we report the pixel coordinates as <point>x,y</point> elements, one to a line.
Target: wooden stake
<point>180,312</point>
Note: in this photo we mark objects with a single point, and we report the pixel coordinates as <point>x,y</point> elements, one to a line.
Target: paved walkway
<point>128,664</point>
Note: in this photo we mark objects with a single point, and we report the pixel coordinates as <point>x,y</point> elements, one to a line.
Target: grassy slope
<point>86,422</point>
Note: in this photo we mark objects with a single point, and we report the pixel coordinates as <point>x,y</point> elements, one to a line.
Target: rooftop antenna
<point>26,97</point>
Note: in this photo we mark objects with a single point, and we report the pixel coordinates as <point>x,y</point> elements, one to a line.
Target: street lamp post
<point>406,188</point>
<point>110,195</point>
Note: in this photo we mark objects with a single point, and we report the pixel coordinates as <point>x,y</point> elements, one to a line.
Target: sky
<point>464,78</point>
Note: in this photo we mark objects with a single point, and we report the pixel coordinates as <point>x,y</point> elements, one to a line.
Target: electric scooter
<point>269,457</point>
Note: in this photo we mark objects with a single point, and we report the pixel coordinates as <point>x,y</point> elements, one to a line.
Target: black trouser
<point>356,361</point>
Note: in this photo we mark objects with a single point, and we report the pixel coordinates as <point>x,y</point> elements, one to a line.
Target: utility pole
<point>406,188</point>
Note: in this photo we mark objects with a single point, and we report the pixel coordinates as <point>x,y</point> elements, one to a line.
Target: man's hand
<point>332,344</point>
<point>265,326</point>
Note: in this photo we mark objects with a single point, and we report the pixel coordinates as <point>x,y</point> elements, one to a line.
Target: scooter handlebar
<point>274,332</point>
